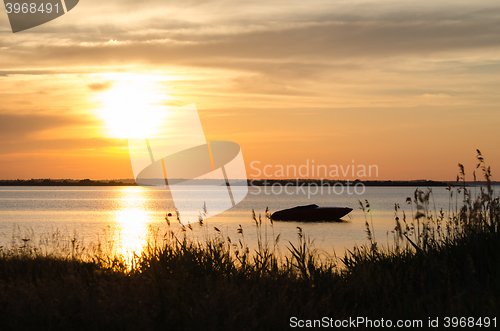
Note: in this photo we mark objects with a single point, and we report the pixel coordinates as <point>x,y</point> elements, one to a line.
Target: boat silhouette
<point>311,213</point>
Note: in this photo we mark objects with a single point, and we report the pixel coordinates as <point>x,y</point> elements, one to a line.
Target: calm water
<point>122,215</point>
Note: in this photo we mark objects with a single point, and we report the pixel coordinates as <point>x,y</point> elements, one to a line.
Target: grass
<point>441,264</point>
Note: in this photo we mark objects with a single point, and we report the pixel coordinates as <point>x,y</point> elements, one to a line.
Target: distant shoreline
<point>326,182</point>
<point>251,182</point>
<point>66,182</point>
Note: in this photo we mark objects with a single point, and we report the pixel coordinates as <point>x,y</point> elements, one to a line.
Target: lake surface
<point>123,215</point>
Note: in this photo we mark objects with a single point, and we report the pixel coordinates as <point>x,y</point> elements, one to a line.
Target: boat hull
<point>311,213</point>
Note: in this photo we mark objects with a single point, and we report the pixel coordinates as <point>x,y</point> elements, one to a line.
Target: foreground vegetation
<point>441,264</point>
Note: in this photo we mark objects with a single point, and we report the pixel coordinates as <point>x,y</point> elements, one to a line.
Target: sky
<point>410,87</point>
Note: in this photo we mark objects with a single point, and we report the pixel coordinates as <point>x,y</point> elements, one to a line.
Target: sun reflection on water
<point>133,221</point>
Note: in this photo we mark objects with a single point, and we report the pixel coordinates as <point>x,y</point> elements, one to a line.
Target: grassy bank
<point>441,264</point>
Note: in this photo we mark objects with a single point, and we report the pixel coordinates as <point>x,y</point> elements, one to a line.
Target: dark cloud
<point>100,86</point>
<point>61,145</point>
<point>13,125</point>
<point>248,36</point>
<point>25,72</point>
<point>40,72</point>
<point>328,42</point>
<point>18,134</point>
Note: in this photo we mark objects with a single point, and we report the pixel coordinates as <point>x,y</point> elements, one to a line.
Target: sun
<point>132,107</point>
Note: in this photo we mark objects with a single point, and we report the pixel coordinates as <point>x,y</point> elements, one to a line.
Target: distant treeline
<point>327,182</point>
<point>64,182</point>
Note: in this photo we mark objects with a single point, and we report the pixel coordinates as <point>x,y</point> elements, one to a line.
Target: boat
<point>311,213</point>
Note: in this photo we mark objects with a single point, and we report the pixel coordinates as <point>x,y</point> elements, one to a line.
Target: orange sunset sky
<point>412,87</point>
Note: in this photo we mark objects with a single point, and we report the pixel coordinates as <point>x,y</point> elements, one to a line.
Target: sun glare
<point>132,107</point>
